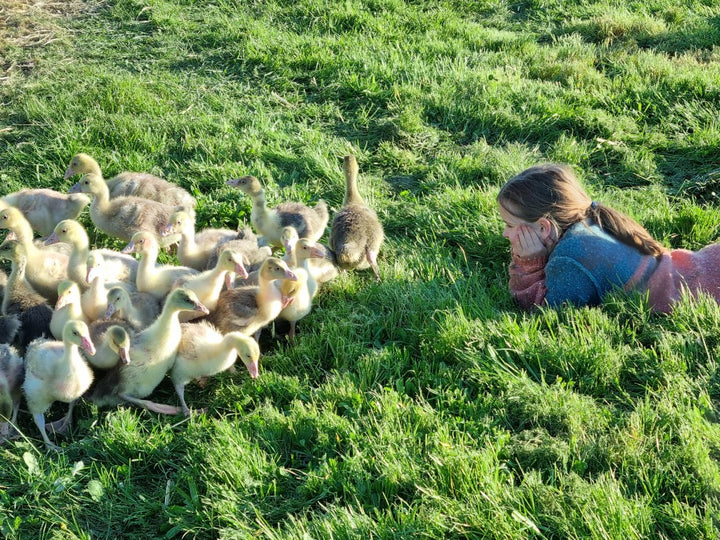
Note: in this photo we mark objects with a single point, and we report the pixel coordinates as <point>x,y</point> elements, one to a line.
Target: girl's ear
<point>545,228</point>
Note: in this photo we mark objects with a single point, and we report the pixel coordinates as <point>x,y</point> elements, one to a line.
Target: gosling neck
<point>212,283</point>
<point>95,297</point>
<point>77,264</point>
<point>74,308</point>
<point>169,317</point>
<point>352,195</point>
<point>259,210</point>
<point>290,257</point>
<point>23,232</point>
<point>71,357</point>
<point>268,292</point>
<point>101,195</point>
<point>148,258</point>
<point>187,246</point>
<point>16,277</point>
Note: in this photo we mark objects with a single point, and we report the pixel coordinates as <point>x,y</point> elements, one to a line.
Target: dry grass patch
<point>29,24</point>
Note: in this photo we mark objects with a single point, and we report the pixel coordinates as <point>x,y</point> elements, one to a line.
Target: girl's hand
<point>529,244</point>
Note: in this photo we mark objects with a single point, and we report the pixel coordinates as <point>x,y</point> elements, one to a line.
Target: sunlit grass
<point>428,404</point>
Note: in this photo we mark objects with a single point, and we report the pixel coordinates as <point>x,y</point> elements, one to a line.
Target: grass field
<point>426,405</point>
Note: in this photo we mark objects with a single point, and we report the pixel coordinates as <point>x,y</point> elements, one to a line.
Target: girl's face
<point>527,238</point>
<point>512,226</point>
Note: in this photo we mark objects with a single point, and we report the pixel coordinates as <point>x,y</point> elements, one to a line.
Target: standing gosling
<point>56,371</point>
<point>356,233</point>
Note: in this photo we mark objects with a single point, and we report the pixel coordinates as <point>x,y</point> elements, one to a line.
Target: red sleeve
<point>527,281</point>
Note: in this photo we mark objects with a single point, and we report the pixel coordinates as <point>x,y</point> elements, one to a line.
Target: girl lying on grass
<point>567,248</point>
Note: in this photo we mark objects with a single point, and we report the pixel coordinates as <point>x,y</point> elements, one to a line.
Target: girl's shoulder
<point>590,245</point>
<point>586,235</point>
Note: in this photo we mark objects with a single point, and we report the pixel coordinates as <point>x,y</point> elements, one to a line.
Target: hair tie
<point>593,205</point>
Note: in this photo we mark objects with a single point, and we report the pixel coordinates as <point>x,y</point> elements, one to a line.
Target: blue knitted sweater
<point>587,263</point>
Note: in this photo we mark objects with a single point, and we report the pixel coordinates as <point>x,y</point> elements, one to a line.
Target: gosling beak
<point>285,301</point>
<point>201,308</point>
<point>130,248</point>
<point>124,353</point>
<point>289,274</point>
<point>88,346</point>
<point>75,188</point>
<point>61,301</point>
<point>253,368</point>
<point>69,172</point>
<point>318,252</point>
<point>233,182</point>
<point>52,239</point>
<point>230,281</point>
<point>167,230</point>
<point>240,270</point>
<point>110,311</point>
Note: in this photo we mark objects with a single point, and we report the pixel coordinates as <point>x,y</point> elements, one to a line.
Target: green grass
<point>427,405</point>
